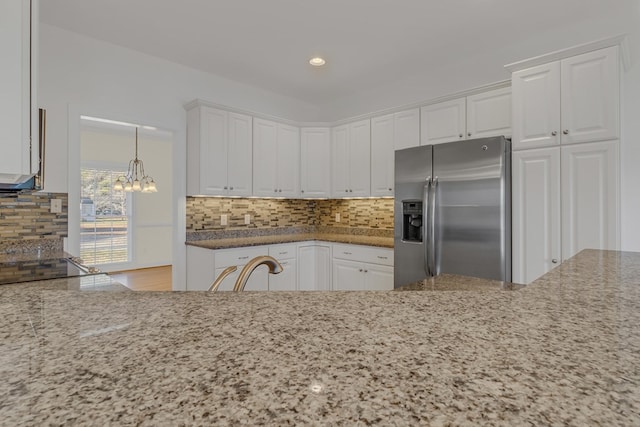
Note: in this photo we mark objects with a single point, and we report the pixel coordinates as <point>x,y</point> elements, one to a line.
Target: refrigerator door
<point>472,189</point>
<point>412,172</point>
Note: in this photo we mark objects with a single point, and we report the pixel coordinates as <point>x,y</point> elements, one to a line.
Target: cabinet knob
<point>391,189</point>
<point>366,271</point>
<point>555,261</point>
<point>566,131</point>
<point>461,135</point>
<point>280,190</point>
<point>360,270</point>
<point>302,191</point>
<point>469,134</point>
<point>225,187</point>
<point>275,190</point>
<point>554,133</point>
<point>230,188</point>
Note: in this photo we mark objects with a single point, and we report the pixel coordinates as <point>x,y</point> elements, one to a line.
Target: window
<point>104,218</point>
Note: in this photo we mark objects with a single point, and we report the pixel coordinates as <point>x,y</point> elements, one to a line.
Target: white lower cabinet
<point>362,268</point>
<point>307,266</point>
<point>565,199</point>
<point>287,256</point>
<point>314,267</point>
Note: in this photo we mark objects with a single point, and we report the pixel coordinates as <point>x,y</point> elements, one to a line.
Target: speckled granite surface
<point>454,282</point>
<point>563,351</point>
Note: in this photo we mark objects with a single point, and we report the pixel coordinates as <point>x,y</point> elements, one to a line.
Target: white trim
<point>461,94</point>
<point>619,40</point>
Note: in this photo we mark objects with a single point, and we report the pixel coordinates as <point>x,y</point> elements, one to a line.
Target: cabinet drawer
<point>283,251</point>
<point>228,257</point>
<point>368,254</point>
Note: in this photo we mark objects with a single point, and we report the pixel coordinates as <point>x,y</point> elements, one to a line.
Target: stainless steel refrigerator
<point>453,210</point>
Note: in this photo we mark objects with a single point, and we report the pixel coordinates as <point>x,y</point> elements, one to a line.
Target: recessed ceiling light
<point>317,61</point>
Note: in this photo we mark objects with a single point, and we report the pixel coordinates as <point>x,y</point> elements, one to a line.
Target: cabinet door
<point>315,162</point>
<point>285,280</point>
<point>382,155</point>
<point>443,122</point>
<point>360,158</point>
<point>265,156</point>
<point>489,114</point>
<point>536,106</point>
<point>536,213</point>
<point>307,268</point>
<point>590,96</point>
<point>288,164</point>
<point>407,129</point>
<point>239,154</point>
<point>16,109</point>
<point>340,161</point>
<point>213,151</point>
<point>378,277</point>
<point>590,197</point>
<point>200,268</point>
<point>348,275</point>
<point>323,268</point>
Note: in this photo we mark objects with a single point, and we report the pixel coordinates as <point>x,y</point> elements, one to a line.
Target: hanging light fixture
<point>135,179</point>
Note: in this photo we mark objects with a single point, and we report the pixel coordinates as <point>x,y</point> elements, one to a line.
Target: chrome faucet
<point>227,271</point>
<point>272,263</point>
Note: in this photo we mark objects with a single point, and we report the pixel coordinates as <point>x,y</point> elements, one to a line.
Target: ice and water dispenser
<point>412,220</point>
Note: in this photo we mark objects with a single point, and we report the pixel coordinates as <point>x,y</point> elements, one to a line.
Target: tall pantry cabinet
<point>565,160</point>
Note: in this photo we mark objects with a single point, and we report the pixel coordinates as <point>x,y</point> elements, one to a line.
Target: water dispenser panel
<point>412,220</point>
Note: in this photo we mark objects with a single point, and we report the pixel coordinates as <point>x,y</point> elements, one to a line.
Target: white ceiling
<point>267,43</point>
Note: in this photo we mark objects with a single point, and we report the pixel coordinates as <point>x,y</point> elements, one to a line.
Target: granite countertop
<point>385,242</point>
<point>561,351</point>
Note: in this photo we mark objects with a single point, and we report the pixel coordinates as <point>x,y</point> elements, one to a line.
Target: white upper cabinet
<point>590,202</point>
<point>489,114</point>
<point>18,106</point>
<point>536,213</point>
<point>276,156</point>
<point>590,96</point>
<point>443,122</point>
<point>406,131</point>
<point>315,162</point>
<point>389,133</point>
<point>569,101</point>
<point>218,152</point>
<point>351,162</point>
<point>536,106</point>
<point>382,155</point>
<point>477,116</point>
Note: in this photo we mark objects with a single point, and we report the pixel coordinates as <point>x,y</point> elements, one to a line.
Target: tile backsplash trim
<point>203,213</point>
<point>26,222</point>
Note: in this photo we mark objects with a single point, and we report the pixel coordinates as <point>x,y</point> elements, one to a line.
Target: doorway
<point>121,230</point>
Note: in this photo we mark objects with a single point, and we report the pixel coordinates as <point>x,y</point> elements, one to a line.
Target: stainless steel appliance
<point>453,210</point>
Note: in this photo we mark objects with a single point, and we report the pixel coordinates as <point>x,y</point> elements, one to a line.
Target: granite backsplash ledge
<point>364,216</point>
<point>27,223</point>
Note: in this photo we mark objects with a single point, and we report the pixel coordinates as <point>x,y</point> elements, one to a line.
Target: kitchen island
<point>563,350</point>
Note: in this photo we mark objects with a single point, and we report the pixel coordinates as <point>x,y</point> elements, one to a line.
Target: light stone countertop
<point>562,351</point>
<point>385,242</point>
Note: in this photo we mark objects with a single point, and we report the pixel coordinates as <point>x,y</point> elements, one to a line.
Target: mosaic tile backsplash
<point>26,222</point>
<point>203,213</point>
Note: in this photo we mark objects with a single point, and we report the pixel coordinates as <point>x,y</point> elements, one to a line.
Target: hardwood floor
<point>145,279</point>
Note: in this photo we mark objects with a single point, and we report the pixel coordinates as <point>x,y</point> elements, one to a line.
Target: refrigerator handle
<point>432,227</point>
<point>426,229</point>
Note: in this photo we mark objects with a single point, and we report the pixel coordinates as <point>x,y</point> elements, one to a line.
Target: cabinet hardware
<point>461,135</point>
<point>280,190</point>
<point>347,253</point>
<point>225,187</point>
<point>243,257</point>
<point>555,261</point>
<point>469,134</point>
<point>382,257</point>
<point>554,133</point>
<point>282,253</point>
<point>302,191</point>
<point>230,188</point>
<point>366,271</point>
<point>360,270</point>
<point>566,131</point>
<point>391,189</point>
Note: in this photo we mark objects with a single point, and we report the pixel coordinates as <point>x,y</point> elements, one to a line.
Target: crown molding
<point>619,40</point>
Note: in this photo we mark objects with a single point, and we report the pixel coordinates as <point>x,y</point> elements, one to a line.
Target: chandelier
<point>135,179</point>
